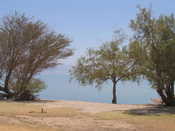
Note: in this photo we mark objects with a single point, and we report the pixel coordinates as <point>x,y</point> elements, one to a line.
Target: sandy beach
<point>84,116</point>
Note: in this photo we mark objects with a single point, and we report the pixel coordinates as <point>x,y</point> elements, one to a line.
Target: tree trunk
<point>161,94</point>
<point>167,95</point>
<point>170,96</point>
<point>6,85</point>
<point>172,89</point>
<point>114,99</point>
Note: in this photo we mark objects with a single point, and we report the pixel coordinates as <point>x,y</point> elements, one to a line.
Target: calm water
<point>60,88</point>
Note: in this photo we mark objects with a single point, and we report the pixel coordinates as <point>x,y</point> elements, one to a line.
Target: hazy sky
<point>88,23</point>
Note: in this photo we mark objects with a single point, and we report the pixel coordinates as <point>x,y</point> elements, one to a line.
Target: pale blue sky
<point>88,23</point>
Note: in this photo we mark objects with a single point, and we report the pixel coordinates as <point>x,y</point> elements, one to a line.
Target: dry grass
<point>8,127</point>
<point>12,113</point>
<point>15,108</point>
<point>22,108</point>
<point>22,116</point>
<point>161,122</point>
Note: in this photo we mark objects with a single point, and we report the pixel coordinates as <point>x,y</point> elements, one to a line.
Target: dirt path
<point>91,107</point>
<point>79,124</point>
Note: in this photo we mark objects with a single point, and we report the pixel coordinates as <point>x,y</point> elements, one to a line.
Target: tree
<point>109,62</point>
<point>27,47</point>
<point>31,90</point>
<point>153,46</point>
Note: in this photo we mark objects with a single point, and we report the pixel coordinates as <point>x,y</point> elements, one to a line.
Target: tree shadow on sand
<point>152,110</point>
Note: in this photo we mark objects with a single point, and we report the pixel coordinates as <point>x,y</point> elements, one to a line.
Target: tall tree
<point>109,62</point>
<point>153,46</point>
<point>27,47</point>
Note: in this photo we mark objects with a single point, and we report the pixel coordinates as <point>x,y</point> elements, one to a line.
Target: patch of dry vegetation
<point>31,109</point>
<point>21,127</point>
<point>160,122</point>
<point>15,108</point>
<point>20,116</point>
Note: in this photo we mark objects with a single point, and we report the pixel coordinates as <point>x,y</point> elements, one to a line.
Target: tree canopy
<point>27,47</point>
<point>110,62</point>
<point>153,46</point>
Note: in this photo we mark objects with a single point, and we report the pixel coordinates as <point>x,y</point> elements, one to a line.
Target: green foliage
<point>27,47</point>
<point>109,62</point>
<point>153,46</point>
<point>35,86</point>
<point>30,91</point>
